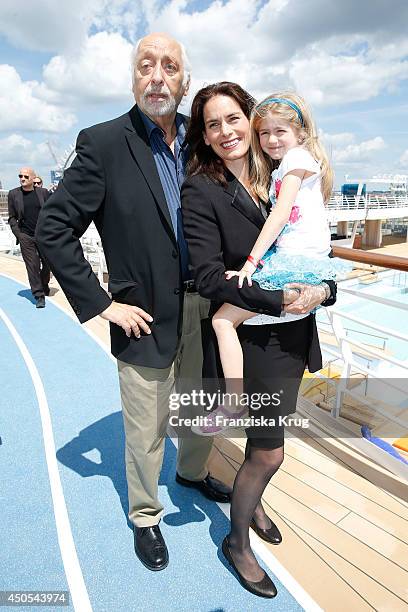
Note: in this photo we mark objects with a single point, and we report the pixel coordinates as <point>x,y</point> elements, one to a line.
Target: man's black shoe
<point>210,487</point>
<point>150,547</point>
<point>40,302</point>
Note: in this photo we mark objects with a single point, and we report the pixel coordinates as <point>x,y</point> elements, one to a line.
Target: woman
<point>222,220</point>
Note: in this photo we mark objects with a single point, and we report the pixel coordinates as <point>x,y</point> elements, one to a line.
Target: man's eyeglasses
<point>26,176</point>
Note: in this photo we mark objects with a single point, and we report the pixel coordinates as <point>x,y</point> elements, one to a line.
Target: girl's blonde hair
<point>263,165</point>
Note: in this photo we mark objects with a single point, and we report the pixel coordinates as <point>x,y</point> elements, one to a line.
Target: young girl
<point>295,236</point>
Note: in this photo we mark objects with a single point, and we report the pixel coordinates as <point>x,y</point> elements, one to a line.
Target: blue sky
<point>64,65</point>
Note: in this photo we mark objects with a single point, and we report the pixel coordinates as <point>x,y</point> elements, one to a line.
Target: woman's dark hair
<point>203,160</point>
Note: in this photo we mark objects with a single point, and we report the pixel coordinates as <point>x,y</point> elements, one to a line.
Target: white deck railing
<point>90,241</point>
<point>356,357</point>
<point>7,239</point>
<point>342,202</point>
<point>92,247</point>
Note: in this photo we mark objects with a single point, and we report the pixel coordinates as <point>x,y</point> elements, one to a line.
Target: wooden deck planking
<point>374,596</point>
<point>353,501</point>
<point>383,542</point>
<point>311,452</point>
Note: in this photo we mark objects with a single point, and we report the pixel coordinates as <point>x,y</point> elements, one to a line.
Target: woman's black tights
<point>259,465</point>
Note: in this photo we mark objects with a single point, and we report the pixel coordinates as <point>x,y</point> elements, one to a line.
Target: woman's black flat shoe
<point>271,535</point>
<point>263,588</point>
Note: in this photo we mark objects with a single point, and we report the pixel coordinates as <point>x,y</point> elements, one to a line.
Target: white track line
<point>69,314</point>
<point>75,579</point>
<point>288,581</point>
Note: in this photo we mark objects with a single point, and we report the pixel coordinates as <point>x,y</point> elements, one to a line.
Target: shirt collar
<point>151,126</point>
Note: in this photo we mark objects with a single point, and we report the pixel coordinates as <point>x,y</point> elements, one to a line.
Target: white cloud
<point>42,25</point>
<point>337,140</point>
<point>119,16</point>
<point>96,72</point>
<point>328,79</point>
<point>21,109</point>
<point>350,156</point>
<point>63,27</point>
<point>360,152</point>
<point>404,159</point>
<point>213,37</point>
<point>333,53</point>
<point>17,151</point>
<point>15,145</point>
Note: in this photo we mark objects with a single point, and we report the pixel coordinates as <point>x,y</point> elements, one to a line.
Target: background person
<point>126,178</point>
<point>38,182</point>
<point>222,220</point>
<point>24,205</point>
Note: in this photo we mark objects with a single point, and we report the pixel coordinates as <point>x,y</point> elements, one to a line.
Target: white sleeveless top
<point>307,231</point>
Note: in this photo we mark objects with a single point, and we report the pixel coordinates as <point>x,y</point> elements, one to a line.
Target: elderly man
<point>126,178</point>
<point>24,204</point>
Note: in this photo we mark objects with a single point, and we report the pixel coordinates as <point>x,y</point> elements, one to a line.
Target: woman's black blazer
<point>221,225</point>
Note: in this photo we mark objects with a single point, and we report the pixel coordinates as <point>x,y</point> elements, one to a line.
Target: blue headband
<point>284,101</point>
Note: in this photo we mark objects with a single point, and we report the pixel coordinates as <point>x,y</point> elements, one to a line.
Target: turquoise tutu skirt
<point>280,269</point>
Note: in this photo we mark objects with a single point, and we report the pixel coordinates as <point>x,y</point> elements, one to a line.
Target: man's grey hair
<point>184,58</point>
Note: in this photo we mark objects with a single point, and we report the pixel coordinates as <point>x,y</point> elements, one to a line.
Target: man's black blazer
<point>16,207</point>
<point>114,182</point>
<point>221,225</point>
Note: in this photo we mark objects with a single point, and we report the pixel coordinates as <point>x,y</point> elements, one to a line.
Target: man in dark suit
<point>126,178</point>
<point>24,204</point>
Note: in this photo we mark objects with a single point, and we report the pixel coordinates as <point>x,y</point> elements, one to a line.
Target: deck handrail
<point>342,202</point>
<point>375,298</point>
<point>365,323</point>
<point>358,331</point>
<point>368,257</point>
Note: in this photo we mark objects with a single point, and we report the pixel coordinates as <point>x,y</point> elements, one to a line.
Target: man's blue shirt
<point>171,169</point>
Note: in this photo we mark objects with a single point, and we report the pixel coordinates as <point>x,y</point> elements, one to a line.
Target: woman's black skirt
<point>275,357</point>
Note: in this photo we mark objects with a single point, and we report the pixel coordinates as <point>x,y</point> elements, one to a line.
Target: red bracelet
<point>258,264</point>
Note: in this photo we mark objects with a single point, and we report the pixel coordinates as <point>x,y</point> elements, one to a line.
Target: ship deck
<point>344,522</point>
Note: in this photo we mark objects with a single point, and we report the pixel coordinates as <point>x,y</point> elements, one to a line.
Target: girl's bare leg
<point>225,322</point>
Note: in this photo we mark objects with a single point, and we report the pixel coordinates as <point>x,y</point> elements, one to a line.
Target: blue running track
<point>81,389</point>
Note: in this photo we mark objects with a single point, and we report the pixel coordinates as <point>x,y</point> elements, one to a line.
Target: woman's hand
<point>310,297</point>
<point>245,273</point>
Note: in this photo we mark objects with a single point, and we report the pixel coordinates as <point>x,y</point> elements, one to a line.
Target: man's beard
<point>158,108</point>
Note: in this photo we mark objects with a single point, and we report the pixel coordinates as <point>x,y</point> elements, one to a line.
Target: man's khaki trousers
<point>145,405</point>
